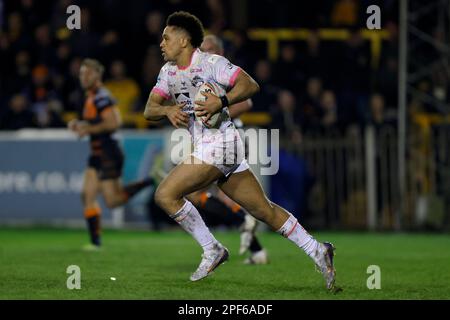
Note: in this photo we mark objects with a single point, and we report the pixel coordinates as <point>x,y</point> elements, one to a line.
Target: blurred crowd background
<point>323,83</point>
<point>321,71</point>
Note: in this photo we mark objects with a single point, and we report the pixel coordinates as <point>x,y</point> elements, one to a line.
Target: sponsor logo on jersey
<point>196,70</point>
<point>197,81</point>
<point>185,94</point>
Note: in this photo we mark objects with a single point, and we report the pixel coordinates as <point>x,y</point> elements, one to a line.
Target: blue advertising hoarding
<point>41,174</point>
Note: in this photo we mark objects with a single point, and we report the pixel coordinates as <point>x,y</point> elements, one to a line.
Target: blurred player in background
<point>99,120</point>
<point>212,200</point>
<point>179,81</point>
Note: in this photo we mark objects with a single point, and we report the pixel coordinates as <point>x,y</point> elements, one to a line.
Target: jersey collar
<point>194,54</point>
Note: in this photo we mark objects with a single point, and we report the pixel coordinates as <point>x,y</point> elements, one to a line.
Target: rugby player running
<point>178,81</point>
<point>100,118</point>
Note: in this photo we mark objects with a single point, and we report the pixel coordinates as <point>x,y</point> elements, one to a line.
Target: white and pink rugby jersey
<point>181,84</point>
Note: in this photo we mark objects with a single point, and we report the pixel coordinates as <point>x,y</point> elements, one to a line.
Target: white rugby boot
<point>259,257</point>
<point>211,259</point>
<point>324,264</point>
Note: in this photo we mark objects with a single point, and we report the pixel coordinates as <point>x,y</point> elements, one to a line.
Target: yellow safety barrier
<point>274,36</point>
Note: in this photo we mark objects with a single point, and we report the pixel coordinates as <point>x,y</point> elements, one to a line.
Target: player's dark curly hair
<point>190,23</point>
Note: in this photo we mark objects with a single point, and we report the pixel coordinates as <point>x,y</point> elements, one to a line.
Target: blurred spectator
<point>379,114</point>
<point>288,73</point>
<point>241,52</point>
<point>387,74</point>
<point>40,89</point>
<point>34,13</point>
<point>123,88</point>
<point>43,50</point>
<point>353,84</point>
<point>63,55</point>
<point>150,37</point>
<point>21,75</point>
<point>216,16</point>
<point>376,109</point>
<point>150,70</point>
<point>387,80</point>
<point>267,95</point>
<point>314,62</point>
<point>154,25</point>
<point>284,115</point>
<point>110,47</point>
<point>50,116</point>
<point>73,94</point>
<point>212,44</point>
<point>18,38</point>
<point>18,115</point>
<point>310,109</point>
<point>328,105</point>
<point>61,70</point>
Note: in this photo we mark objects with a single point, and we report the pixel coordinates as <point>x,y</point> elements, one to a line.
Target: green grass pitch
<point>150,265</point>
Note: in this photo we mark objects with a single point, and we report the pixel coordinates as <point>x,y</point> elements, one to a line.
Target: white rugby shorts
<point>224,150</point>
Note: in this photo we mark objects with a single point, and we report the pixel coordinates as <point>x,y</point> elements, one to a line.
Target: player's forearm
<point>244,88</point>
<point>154,112</point>
<point>239,108</point>
<point>102,127</point>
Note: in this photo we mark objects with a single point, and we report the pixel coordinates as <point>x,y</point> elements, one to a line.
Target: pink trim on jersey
<point>161,93</point>
<point>234,76</point>
<point>190,61</point>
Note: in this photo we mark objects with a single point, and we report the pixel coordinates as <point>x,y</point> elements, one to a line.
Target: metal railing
<point>356,179</point>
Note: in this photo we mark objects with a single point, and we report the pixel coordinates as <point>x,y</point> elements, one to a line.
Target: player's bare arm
<point>239,108</point>
<point>111,121</point>
<point>244,87</point>
<point>155,110</point>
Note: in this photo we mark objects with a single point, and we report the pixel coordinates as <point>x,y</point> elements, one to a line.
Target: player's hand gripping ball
<point>216,119</point>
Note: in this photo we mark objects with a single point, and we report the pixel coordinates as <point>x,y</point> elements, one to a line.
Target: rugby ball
<point>217,118</point>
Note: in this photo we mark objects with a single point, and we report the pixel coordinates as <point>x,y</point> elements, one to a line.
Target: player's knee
<point>110,202</point>
<point>162,197</point>
<point>194,198</point>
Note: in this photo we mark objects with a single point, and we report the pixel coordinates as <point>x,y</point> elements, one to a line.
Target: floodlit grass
<point>150,265</point>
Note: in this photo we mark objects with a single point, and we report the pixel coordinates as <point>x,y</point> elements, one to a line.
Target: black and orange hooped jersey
<point>95,105</point>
